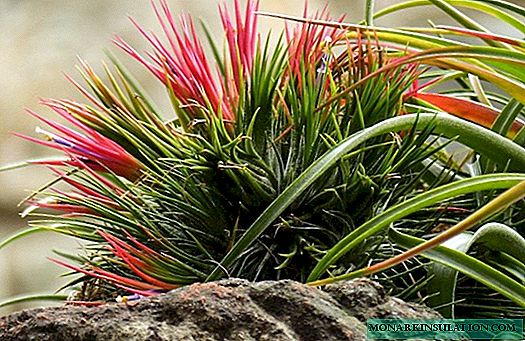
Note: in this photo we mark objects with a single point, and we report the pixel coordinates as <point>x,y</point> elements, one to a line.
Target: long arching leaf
<point>494,236</point>
<point>471,134</point>
<point>481,6</point>
<point>467,265</point>
<point>22,234</point>
<point>432,197</point>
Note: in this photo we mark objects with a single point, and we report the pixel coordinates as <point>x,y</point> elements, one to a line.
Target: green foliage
<point>503,248</point>
<point>322,151</point>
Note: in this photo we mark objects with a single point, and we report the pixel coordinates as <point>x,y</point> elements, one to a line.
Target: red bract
<point>54,204</point>
<point>309,43</point>
<point>241,39</point>
<point>84,149</point>
<point>84,191</point>
<point>131,256</point>
<point>466,109</point>
<point>183,66</point>
<point>108,276</point>
<point>184,69</point>
<point>135,259</point>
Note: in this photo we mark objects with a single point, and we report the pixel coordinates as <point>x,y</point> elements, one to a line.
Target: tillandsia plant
<point>308,155</point>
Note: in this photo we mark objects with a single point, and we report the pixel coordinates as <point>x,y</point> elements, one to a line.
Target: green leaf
<point>480,6</point>
<point>394,213</point>
<point>444,280</point>
<point>489,143</point>
<point>32,297</point>
<point>507,117</point>
<point>369,12</point>
<point>22,234</point>
<point>500,237</point>
<point>468,266</point>
<point>494,236</point>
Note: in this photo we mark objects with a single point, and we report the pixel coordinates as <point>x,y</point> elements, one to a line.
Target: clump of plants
<point>318,154</point>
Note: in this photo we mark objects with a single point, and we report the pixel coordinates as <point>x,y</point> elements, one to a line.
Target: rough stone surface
<point>226,310</point>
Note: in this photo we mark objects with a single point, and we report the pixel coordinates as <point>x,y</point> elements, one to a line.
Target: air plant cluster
<point>307,156</point>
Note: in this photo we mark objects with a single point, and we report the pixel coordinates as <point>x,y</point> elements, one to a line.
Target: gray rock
<point>230,309</point>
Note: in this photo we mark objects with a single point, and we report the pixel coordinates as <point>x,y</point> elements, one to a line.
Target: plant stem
<point>369,12</point>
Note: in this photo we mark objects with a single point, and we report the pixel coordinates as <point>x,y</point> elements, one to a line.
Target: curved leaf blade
<point>21,234</point>
<point>434,196</point>
<point>467,265</point>
<point>495,236</point>
<point>33,297</point>
<point>496,147</point>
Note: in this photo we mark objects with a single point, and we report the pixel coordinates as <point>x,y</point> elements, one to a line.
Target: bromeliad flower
<point>242,41</point>
<point>309,44</point>
<point>184,68</point>
<point>84,149</point>
<point>284,160</point>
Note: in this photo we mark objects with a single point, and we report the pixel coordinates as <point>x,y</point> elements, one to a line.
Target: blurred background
<point>39,42</point>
